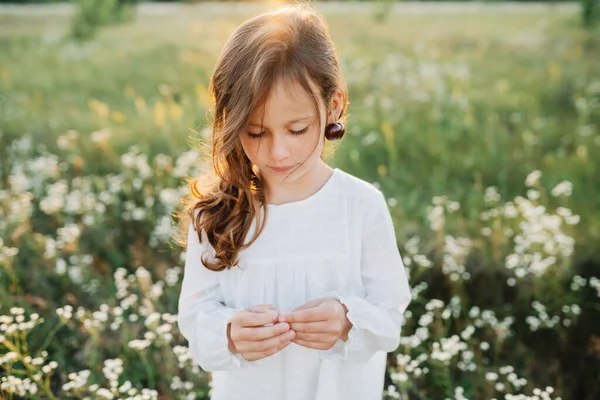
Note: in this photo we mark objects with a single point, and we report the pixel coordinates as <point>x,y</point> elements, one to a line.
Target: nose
<point>278,149</point>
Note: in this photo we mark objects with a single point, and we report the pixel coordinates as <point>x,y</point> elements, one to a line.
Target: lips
<point>280,169</point>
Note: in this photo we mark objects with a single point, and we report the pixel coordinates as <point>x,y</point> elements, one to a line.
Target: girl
<point>293,288</point>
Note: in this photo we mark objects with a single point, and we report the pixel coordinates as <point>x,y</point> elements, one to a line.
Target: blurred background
<point>480,122</point>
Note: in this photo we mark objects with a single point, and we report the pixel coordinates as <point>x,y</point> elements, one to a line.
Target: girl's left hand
<point>318,324</point>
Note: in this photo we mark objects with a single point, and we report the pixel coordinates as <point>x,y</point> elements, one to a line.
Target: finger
<point>314,337</point>
<point>310,304</point>
<point>266,345</point>
<point>262,332</point>
<point>253,356</point>
<point>312,327</point>
<point>312,345</point>
<point>256,318</point>
<point>262,308</point>
<point>309,315</point>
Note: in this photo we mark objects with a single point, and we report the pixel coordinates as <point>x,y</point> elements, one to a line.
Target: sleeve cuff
<point>341,348</point>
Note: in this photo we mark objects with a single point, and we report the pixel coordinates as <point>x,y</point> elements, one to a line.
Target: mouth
<point>281,169</point>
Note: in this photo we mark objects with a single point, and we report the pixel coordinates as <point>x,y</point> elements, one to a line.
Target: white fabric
<point>340,243</point>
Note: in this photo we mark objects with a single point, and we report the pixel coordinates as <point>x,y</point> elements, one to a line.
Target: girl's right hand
<point>248,335</point>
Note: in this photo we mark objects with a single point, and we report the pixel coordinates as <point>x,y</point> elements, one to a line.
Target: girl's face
<point>290,141</point>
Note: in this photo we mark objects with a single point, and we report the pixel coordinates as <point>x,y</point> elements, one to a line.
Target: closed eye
<point>258,135</point>
<point>255,135</point>
<point>300,132</point>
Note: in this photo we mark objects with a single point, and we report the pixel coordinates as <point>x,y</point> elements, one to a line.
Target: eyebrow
<point>289,122</point>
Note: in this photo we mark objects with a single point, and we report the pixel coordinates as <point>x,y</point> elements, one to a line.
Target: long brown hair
<point>292,44</point>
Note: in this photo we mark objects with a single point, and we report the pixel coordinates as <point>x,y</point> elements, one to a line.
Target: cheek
<point>313,143</point>
<point>250,147</point>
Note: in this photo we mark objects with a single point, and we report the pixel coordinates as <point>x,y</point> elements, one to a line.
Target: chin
<point>289,177</point>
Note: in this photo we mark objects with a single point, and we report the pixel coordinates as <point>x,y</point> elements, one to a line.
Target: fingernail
<point>282,318</point>
<point>290,334</point>
<point>275,317</point>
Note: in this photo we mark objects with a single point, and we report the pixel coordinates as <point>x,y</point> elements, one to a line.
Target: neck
<point>278,192</point>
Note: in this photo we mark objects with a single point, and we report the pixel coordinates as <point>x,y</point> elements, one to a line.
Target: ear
<point>337,104</point>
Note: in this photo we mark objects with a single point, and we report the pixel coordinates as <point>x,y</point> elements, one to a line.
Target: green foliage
<point>590,12</point>
<point>93,14</point>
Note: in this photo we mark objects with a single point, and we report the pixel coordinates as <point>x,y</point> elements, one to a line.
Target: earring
<point>335,131</point>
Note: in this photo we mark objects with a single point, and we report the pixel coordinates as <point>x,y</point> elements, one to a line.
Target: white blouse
<point>338,242</point>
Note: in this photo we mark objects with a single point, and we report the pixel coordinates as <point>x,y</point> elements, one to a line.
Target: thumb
<point>310,304</point>
<point>265,309</point>
<point>262,308</point>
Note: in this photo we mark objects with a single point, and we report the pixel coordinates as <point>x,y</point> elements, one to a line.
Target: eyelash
<point>256,136</point>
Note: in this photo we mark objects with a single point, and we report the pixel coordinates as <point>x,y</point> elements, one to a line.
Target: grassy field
<point>480,123</point>
<point>518,75</point>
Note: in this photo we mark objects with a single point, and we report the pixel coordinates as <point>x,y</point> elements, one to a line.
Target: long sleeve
<point>378,315</point>
<point>202,315</point>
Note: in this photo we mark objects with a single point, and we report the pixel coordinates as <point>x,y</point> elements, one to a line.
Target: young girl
<point>293,286</point>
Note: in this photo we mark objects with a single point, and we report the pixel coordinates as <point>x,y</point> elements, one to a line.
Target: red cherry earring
<point>335,131</point>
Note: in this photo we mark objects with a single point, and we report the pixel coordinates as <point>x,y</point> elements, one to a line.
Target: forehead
<point>286,101</point>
